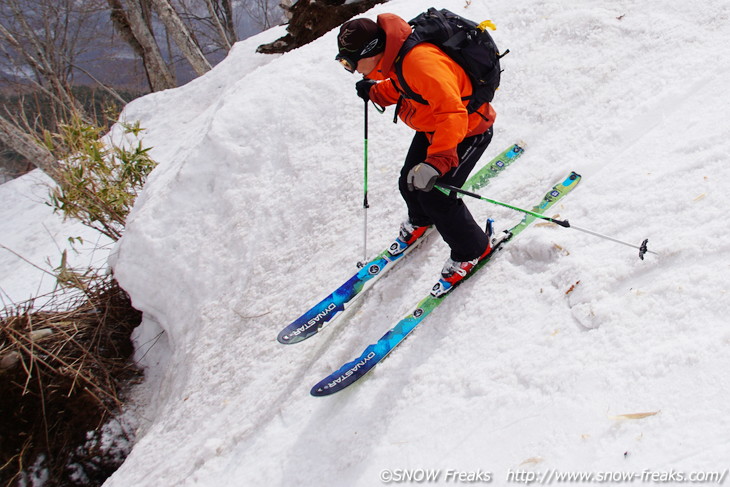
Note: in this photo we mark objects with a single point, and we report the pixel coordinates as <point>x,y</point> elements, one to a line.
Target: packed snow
<point>567,354</point>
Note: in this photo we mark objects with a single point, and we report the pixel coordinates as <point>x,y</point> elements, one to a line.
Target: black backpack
<point>466,42</point>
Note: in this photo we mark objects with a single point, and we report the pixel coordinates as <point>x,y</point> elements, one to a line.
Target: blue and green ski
<point>334,304</point>
<point>373,354</point>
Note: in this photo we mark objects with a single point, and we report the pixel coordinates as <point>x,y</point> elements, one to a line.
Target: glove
<point>422,177</point>
<point>363,88</point>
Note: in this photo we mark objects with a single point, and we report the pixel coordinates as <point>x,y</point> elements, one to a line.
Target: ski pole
<point>563,223</point>
<point>365,204</point>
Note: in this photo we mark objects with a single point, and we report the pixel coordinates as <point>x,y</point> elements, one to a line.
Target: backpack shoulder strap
<point>401,84</point>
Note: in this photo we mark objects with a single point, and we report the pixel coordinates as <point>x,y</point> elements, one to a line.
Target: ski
<point>373,354</point>
<point>334,304</point>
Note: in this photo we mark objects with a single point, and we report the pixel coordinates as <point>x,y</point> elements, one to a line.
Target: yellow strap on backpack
<point>487,24</point>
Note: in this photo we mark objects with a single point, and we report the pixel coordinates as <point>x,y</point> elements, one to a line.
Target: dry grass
<point>62,373</point>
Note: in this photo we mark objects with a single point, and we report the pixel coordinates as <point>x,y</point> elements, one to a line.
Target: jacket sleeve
<point>384,93</point>
<point>440,81</point>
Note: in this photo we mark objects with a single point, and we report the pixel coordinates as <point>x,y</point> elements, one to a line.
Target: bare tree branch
<point>41,59</point>
<point>266,13</point>
<point>213,21</point>
<point>226,32</point>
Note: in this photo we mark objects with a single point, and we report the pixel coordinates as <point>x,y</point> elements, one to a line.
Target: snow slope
<point>254,214</point>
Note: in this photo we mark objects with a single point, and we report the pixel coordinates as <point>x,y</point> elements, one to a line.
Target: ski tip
<point>521,144</point>
<point>287,339</point>
<point>324,388</point>
<point>318,391</point>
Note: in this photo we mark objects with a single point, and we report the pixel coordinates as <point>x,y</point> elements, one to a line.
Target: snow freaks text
<point>550,476</point>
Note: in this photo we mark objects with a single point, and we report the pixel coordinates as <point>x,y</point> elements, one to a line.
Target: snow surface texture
<point>254,214</point>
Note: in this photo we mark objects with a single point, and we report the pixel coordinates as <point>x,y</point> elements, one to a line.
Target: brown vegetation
<point>62,375</point>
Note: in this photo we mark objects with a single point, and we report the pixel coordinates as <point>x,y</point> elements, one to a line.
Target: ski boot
<point>407,236</point>
<point>454,272</point>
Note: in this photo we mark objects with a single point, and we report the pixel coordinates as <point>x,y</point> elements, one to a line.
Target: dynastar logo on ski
<point>358,365</point>
<point>314,321</point>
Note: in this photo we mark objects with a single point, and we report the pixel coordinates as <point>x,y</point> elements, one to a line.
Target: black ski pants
<point>449,214</point>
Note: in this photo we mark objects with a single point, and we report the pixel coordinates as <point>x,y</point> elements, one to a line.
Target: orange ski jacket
<point>441,82</point>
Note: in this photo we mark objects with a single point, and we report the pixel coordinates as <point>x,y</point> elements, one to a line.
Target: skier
<point>448,141</point>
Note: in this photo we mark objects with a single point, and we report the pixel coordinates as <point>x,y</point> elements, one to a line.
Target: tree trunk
<point>130,21</point>
<point>182,36</point>
<point>28,147</point>
<point>227,7</point>
<point>310,19</point>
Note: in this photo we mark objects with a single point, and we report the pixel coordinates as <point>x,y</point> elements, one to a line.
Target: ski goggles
<point>346,62</point>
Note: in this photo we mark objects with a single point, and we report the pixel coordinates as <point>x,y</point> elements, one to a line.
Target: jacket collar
<point>397,31</point>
